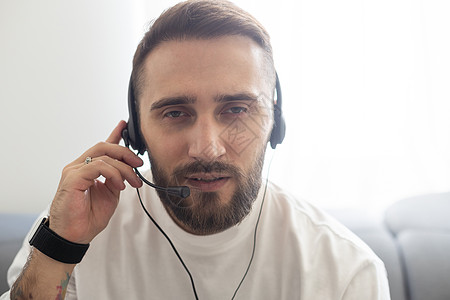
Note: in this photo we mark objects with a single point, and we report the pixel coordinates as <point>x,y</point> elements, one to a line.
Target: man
<point>203,85</point>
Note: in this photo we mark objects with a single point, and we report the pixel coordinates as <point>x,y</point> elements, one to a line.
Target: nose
<point>205,141</point>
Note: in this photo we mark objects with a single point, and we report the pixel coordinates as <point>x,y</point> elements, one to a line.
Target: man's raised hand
<point>83,205</point>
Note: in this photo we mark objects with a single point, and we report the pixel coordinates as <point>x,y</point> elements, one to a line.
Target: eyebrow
<point>172,101</point>
<point>180,100</point>
<point>236,97</point>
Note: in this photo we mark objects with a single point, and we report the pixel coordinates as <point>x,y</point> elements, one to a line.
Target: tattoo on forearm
<point>25,287</point>
<point>62,288</point>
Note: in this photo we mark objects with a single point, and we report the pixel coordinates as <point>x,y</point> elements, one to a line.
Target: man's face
<point>206,114</point>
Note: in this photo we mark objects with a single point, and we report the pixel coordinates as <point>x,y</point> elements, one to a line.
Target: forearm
<point>42,278</point>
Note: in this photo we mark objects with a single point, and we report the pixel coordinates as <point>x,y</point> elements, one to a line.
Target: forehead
<point>230,62</point>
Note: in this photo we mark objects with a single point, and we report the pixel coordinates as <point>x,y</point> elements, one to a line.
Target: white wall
<point>63,77</point>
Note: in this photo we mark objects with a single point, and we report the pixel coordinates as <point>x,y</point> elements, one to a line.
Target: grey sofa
<point>412,238</point>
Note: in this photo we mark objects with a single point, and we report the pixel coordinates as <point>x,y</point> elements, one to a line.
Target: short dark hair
<point>199,19</point>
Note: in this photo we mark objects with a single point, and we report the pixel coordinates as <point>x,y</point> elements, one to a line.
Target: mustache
<point>207,167</point>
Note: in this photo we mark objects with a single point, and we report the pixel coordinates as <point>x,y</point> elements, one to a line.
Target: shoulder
<point>315,230</point>
<point>311,244</point>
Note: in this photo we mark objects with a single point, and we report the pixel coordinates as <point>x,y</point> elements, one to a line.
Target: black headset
<point>132,137</point>
<point>131,134</point>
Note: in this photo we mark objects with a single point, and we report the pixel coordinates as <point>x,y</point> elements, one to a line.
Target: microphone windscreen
<point>179,191</point>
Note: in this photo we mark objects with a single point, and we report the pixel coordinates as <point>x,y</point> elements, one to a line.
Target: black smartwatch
<point>48,242</point>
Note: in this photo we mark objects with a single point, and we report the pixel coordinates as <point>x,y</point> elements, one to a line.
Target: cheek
<point>263,127</point>
<point>166,150</point>
<point>246,156</point>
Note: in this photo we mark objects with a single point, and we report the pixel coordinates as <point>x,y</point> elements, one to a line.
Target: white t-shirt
<point>301,253</point>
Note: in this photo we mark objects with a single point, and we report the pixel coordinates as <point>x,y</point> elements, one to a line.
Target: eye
<point>175,114</point>
<point>236,110</point>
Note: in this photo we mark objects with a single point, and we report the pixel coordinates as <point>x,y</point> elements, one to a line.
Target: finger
<point>110,186</point>
<point>116,134</point>
<point>84,177</point>
<point>125,170</point>
<point>112,150</point>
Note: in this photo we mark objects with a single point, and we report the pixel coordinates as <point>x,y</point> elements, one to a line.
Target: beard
<point>205,213</point>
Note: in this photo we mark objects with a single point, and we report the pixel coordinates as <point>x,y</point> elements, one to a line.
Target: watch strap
<point>55,246</point>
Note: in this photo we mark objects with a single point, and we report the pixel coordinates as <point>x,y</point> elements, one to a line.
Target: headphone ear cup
<point>279,125</point>
<point>131,140</point>
<point>279,128</point>
<point>132,134</point>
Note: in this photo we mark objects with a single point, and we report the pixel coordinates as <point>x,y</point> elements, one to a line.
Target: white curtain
<point>366,89</point>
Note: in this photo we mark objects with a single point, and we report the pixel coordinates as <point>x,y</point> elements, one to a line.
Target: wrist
<point>56,247</point>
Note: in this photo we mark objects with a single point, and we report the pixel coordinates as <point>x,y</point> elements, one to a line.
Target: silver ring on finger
<point>88,160</point>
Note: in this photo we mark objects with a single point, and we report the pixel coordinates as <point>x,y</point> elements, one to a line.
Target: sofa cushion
<point>427,212</point>
<point>427,263</point>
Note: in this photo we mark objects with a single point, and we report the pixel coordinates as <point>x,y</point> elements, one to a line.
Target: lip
<point>207,182</point>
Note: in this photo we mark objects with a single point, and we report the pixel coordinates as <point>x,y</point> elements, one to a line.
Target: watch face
<point>35,228</point>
